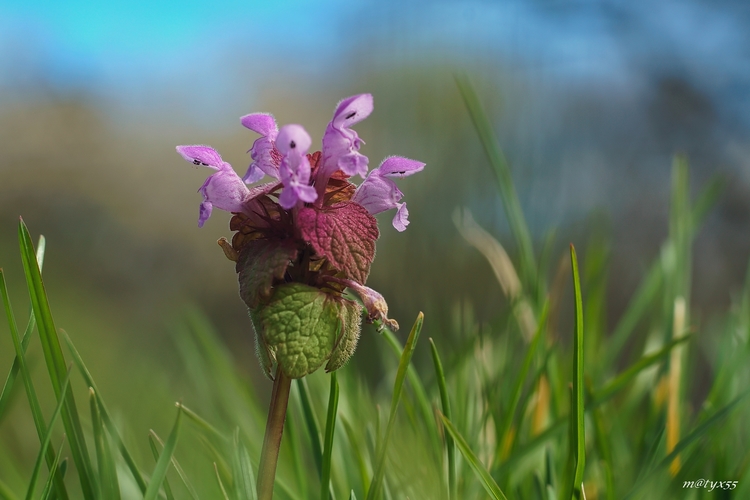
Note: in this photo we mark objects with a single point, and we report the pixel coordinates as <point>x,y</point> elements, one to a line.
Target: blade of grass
<point>180,471</point>
<point>110,488</point>
<point>203,424</point>
<point>450,446</point>
<point>45,446</point>
<point>6,493</point>
<point>58,469</point>
<point>508,194</point>
<point>155,453</point>
<point>489,484</point>
<point>411,344</point>
<point>244,481</point>
<point>221,485</point>
<point>311,422</point>
<point>297,450</point>
<point>55,361</point>
<point>160,471</point>
<point>8,386</point>
<point>111,428</point>
<point>333,403</point>
<point>578,426</point>
<point>358,455</point>
<point>602,445</point>
<point>36,411</point>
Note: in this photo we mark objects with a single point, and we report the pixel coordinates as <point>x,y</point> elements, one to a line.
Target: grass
<point>486,419</point>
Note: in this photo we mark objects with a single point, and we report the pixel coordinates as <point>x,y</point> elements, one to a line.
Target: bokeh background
<point>590,100</point>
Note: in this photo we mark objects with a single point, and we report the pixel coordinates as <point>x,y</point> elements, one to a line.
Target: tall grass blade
<point>160,471</point>
<point>45,446</point>
<point>177,467</point>
<point>311,422</point>
<point>10,379</point>
<point>155,452</point>
<point>57,469</point>
<point>333,404</point>
<point>106,419</point>
<point>36,411</point>
<point>55,361</point>
<point>578,442</point>
<point>411,343</point>
<point>224,494</point>
<point>489,484</point>
<point>450,446</point>
<point>108,483</point>
<point>244,480</point>
<point>505,182</point>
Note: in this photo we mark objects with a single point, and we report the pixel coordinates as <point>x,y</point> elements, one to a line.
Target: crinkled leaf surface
<point>351,320</point>
<point>260,261</point>
<point>344,233</point>
<point>300,326</point>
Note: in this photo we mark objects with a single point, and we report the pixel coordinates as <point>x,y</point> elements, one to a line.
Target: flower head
<point>303,239</point>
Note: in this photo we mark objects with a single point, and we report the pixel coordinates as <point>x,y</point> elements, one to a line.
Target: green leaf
<point>155,452</point>
<point>311,422</point>
<point>55,361</point>
<point>333,403</point>
<point>108,484</point>
<point>57,469</point>
<point>300,325</point>
<point>411,344</point>
<point>259,263</point>
<point>160,471</point>
<point>351,320</point>
<point>242,470</point>
<point>578,426</point>
<point>493,490</point>
<point>343,233</point>
<point>224,494</point>
<point>180,471</point>
<point>450,447</point>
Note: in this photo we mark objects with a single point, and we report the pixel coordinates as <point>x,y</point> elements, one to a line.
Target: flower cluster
<point>306,236</point>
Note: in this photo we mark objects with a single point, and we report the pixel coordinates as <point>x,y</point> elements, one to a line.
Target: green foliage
<point>499,393</point>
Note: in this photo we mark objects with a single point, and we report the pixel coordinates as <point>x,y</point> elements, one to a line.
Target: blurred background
<point>590,101</point>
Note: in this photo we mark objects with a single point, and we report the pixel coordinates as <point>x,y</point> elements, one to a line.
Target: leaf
<point>489,484</point>
<point>299,325</point>
<point>333,403</point>
<point>160,471</point>
<point>259,263</point>
<point>578,439</point>
<point>351,321</point>
<point>344,233</point>
<point>242,471</point>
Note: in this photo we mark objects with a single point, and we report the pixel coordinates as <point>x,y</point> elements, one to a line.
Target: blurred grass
<point>503,399</point>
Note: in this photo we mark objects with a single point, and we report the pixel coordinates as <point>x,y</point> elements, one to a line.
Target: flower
<point>224,189</point>
<point>265,157</point>
<point>303,239</point>
<point>378,193</point>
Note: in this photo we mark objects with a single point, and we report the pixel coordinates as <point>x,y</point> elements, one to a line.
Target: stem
<point>274,429</point>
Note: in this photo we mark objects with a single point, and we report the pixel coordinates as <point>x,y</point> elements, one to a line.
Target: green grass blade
<point>10,379</point>
<point>180,471</point>
<point>106,419</point>
<point>311,422</point>
<point>358,454</point>
<point>155,453</point>
<point>57,469</point>
<point>6,493</point>
<point>203,424</point>
<point>298,450</point>
<point>108,484</point>
<point>36,411</point>
<point>160,471</point>
<point>505,182</point>
<point>411,344</point>
<point>489,484</point>
<point>450,446</point>
<point>45,446</point>
<point>224,494</point>
<point>603,447</point>
<point>244,480</point>
<point>55,362</point>
<point>700,431</point>
<point>578,443</point>
<point>333,404</point>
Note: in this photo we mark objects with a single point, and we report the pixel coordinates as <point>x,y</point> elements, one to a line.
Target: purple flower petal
<point>375,304</point>
<point>341,143</point>
<point>201,155</point>
<point>377,193</point>
<point>293,142</point>
<point>352,110</point>
<point>401,219</point>
<point>262,152</point>
<point>398,166</point>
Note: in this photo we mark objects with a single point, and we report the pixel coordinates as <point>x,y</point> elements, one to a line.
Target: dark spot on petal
<point>196,162</point>
<point>204,164</point>
<point>351,115</point>
<point>292,145</point>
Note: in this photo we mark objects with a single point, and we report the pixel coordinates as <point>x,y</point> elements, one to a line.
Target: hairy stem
<point>274,429</point>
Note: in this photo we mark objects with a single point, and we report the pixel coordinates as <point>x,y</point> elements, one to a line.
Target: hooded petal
<point>398,166</point>
<point>263,153</point>
<point>201,155</point>
<point>352,110</point>
<point>401,219</point>
<point>377,193</point>
<point>341,143</point>
<point>293,142</point>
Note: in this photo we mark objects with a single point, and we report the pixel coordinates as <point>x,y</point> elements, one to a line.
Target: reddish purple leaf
<point>343,233</point>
